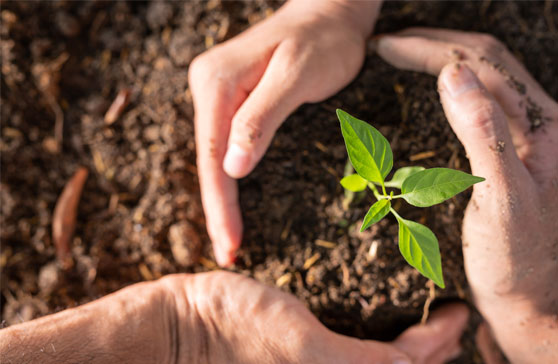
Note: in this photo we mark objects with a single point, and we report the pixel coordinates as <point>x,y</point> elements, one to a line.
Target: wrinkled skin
<point>244,89</point>
<point>216,317</point>
<point>510,240</point>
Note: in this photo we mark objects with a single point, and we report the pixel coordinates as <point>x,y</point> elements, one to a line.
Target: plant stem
<point>392,210</point>
<point>375,191</point>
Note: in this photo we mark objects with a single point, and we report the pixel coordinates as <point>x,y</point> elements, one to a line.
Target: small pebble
<point>49,276</point>
<point>185,243</point>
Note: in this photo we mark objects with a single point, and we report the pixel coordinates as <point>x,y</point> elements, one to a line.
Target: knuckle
<point>482,118</point>
<point>173,280</point>
<point>204,67</point>
<point>199,67</point>
<point>294,54</point>
<point>221,276</point>
<point>490,45</point>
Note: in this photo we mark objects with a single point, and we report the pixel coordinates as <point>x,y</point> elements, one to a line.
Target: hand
<point>243,321</point>
<point>217,317</point>
<point>509,128</point>
<point>244,89</point>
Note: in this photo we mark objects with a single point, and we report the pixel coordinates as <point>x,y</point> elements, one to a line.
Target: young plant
<point>372,158</point>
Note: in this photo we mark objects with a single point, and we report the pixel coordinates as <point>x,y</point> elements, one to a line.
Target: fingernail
<point>236,161</point>
<point>460,80</point>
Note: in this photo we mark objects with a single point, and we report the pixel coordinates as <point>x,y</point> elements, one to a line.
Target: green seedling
<point>372,158</point>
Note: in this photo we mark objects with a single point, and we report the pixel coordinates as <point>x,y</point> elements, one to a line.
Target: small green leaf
<point>368,150</point>
<point>354,183</point>
<point>435,185</point>
<point>375,214</point>
<point>419,247</point>
<point>401,174</point>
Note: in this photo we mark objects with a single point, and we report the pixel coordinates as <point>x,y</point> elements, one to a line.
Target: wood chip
<point>98,161</point>
<point>286,230</point>
<point>284,279</point>
<point>325,244</point>
<point>392,282</point>
<point>209,41</point>
<point>422,155</point>
<point>310,261</point>
<point>118,106</point>
<point>346,275</point>
<point>373,251</point>
<point>332,171</point>
<point>12,133</point>
<point>145,272</point>
<point>208,264</point>
<point>65,215</point>
<point>320,146</point>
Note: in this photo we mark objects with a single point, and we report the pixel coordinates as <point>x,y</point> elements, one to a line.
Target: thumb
<point>480,124</point>
<point>346,349</point>
<point>267,106</point>
<point>437,341</point>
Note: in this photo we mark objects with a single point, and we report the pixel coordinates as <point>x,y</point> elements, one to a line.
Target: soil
<point>140,217</point>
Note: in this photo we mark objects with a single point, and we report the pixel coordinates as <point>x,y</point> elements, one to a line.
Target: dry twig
<point>118,105</point>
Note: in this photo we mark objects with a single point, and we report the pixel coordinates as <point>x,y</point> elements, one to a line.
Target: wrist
<point>359,15</point>
<point>131,325</point>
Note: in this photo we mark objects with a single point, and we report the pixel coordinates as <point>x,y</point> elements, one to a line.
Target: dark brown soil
<point>142,196</point>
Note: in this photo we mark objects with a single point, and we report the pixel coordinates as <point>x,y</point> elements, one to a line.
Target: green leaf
<point>435,185</point>
<point>419,247</point>
<point>375,214</point>
<point>401,174</point>
<point>368,150</point>
<point>354,183</point>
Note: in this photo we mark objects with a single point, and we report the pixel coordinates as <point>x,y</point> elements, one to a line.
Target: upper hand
<point>244,89</point>
<point>509,128</point>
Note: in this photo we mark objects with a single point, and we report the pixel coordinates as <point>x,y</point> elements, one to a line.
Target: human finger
<point>219,192</point>
<point>481,126</point>
<point>215,101</point>
<point>422,54</point>
<point>221,80</point>
<point>268,105</point>
<point>485,44</point>
<point>438,340</point>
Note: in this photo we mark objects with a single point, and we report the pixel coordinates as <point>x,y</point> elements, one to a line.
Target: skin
<point>242,93</point>
<point>510,240</point>
<point>177,319</point>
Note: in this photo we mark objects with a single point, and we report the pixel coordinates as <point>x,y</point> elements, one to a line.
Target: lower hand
<point>244,321</point>
<point>509,128</point>
<point>217,317</point>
